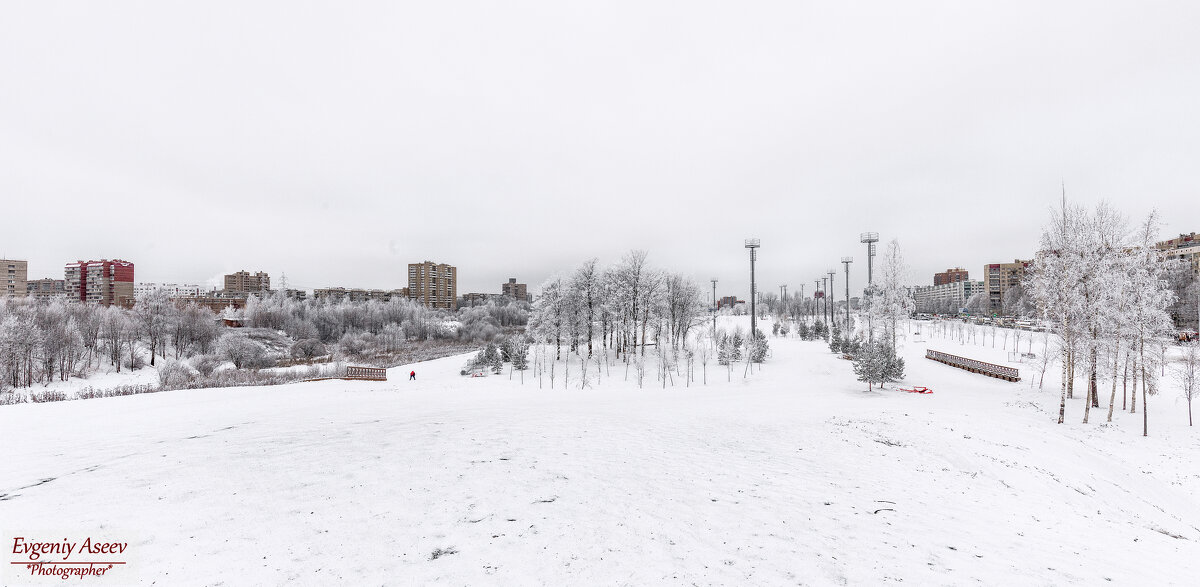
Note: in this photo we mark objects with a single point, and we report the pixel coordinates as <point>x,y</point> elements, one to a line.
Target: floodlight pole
<point>752,244</point>
<point>847,261</point>
<point>816,300</point>
<point>831,309</point>
<point>825,300</point>
<point>714,306</point>
<point>870,238</point>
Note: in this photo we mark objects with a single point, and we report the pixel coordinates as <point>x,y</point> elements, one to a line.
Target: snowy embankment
<point>792,475</point>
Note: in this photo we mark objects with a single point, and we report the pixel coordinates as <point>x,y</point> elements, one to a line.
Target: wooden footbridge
<point>989,369</point>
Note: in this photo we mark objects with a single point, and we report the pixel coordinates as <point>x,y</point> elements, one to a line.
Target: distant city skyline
<point>337,144</point>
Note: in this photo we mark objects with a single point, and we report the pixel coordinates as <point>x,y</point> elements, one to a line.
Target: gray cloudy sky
<point>336,142</point>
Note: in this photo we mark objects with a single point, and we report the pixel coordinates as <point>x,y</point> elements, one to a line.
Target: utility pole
<point>847,261</point>
<point>752,244</point>
<point>800,304</point>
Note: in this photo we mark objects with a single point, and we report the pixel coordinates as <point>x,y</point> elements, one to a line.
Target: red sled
<point>917,389</point>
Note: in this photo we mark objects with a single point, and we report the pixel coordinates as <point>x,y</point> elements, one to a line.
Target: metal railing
<point>989,369</point>
<point>366,373</point>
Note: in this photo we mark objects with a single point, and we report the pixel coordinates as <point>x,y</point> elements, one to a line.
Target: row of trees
<point>46,340</point>
<point>1103,286</point>
<point>53,340</point>
<point>625,308</point>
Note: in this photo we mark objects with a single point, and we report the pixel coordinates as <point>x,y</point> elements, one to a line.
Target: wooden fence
<point>989,369</point>
<point>366,373</point>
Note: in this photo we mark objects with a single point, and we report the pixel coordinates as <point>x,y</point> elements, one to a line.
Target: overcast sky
<point>336,142</point>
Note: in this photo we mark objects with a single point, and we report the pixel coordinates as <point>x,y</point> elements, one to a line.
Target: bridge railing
<point>366,373</point>
<point>974,366</point>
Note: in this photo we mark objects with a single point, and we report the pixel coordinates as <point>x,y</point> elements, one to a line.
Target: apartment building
<point>215,303</point>
<point>945,298</point>
<point>1186,247</point>
<point>432,284</point>
<point>476,299</point>
<point>14,278</point>
<point>950,276</point>
<point>101,282</point>
<point>514,290</point>
<point>174,290</point>
<point>999,278</point>
<point>245,282</point>
<point>728,302</point>
<point>46,288</point>
<point>338,294</point>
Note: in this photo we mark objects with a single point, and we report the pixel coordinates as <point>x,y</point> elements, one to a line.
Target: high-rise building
<point>946,298</point>
<point>101,282</point>
<point>245,282</point>
<point>434,285</point>
<point>950,276</point>
<point>13,278</point>
<point>514,290</point>
<point>1186,247</point>
<point>46,288</point>
<point>999,278</point>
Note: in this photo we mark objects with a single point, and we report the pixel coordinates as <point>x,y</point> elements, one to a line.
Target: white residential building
<point>174,290</point>
<point>945,298</point>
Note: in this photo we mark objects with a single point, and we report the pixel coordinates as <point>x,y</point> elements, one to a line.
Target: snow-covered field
<point>792,475</point>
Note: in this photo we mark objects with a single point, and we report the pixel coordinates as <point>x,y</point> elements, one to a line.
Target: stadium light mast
<point>847,261</point>
<point>870,238</point>
<point>829,298</point>
<point>752,244</point>
<point>714,306</point>
<point>816,298</point>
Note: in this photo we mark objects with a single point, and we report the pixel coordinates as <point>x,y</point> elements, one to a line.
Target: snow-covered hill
<point>792,475</point>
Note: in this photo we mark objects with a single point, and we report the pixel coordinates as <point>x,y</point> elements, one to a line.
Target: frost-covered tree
<point>154,312</point>
<point>876,363</point>
<point>1052,280</point>
<point>1187,374</point>
<point>519,351</point>
<point>586,285</point>
<point>1098,284</point>
<point>759,347</point>
<point>891,299</point>
<point>549,314</point>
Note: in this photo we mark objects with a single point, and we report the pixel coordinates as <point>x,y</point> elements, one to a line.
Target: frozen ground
<point>793,475</point>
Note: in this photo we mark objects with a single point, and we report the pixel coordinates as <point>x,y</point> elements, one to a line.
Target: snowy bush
<point>206,364</point>
<point>242,352</point>
<point>172,374</point>
<point>357,344</point>
<point>308,349</point>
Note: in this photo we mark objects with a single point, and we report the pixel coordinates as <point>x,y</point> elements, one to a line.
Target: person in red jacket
<point>412,375</point>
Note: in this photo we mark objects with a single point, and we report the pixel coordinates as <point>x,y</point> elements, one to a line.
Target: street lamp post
<point>847,261</point>
<point>752,244</point>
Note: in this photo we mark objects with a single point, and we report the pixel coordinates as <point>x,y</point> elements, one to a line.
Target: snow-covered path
<point>794,475</point>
